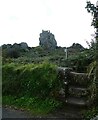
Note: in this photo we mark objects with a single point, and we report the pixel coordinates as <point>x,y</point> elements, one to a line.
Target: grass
<point>35,105</point>
<point>40,79</point>
<point>31,87</point>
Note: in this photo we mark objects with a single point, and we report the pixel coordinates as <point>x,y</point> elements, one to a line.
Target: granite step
<point>76,101</point>
<point>78,91</point>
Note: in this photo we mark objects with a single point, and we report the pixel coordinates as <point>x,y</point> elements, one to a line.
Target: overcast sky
<point>24,20</point>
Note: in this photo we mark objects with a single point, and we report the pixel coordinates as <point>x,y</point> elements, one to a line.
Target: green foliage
<point>37,80</point>
<point>39,49</point>
<point>80,61</point>
<point>90,113</point>
<point>93,67</point>
<point>92,9</point>
<point>34,104</point>
<point>11,53</point>
<point>93,88</point>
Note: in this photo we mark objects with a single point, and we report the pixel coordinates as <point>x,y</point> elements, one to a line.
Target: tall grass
<point>31,86</point>
<point>32,80</point>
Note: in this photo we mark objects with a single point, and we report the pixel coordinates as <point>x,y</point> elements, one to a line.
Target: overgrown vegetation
<point>30,83</point>
<point>34,74</point>
<point>93,67</point>
<point>31,86</point>
<point>91,113</point>
<point>35,105</point>
<point>30,79</point>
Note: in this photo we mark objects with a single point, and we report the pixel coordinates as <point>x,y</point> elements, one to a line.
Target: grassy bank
<point>35,105</point>
<point>32,87</point>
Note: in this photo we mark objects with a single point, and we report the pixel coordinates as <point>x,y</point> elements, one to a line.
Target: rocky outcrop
<point>15,50</point>
<point>76,47</point>
<point>23,45</point>
<point>47,40</point>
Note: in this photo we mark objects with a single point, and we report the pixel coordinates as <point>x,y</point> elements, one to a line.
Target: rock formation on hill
<point>23,45</point>
<point>47,40</point>
<point>76,46</point>
<point>15,50</point>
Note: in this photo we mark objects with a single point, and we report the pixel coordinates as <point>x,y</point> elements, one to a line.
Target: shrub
<point>91,113</point>
<point>80,61</point>
<point>11,53</point>
<point>33,80</point>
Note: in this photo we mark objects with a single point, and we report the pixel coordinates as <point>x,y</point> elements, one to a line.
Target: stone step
<point>78,88</point>
<point>68,112</point>
<point>76,101</point>
<point>81,79</point>
<point>78,91</point>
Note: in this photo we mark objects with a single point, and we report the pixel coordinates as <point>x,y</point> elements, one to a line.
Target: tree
<point>91,8</point>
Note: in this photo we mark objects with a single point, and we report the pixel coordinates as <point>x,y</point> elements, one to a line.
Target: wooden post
<point>66,53</point>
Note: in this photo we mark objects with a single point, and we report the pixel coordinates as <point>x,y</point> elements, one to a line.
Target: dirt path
<point>58,114</point>
<point>13,113</point>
